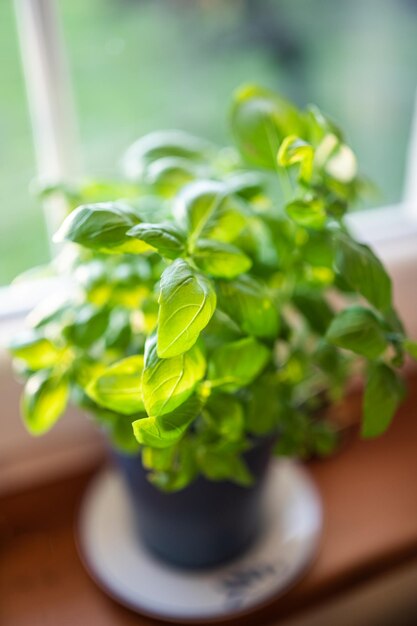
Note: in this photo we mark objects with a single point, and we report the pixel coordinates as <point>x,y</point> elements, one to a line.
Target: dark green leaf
<point>264,406</point>
<point>250,305</point>
<point>88,326</point>
<point>363,271</point>
<point>186,304</point>
<point>226,416</point>
<point>220,466</point>
<point>383,393</point>
<point>358,329</point>
<point>314,308</point>
<point>234,365</point>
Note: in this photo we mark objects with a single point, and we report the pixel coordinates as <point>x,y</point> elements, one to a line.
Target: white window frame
<point>392,231</point>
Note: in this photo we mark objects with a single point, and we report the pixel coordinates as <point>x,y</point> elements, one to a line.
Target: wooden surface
<point>370,500</point>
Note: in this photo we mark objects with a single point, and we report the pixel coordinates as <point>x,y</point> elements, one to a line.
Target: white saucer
<point>127,572</point>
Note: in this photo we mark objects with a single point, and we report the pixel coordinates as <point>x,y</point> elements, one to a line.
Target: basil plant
<point>216,297</point>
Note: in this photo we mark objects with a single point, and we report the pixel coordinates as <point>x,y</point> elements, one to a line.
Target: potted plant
<point>216,304</point>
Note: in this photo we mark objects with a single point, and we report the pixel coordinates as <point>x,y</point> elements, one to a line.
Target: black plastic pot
<point>206,523</point>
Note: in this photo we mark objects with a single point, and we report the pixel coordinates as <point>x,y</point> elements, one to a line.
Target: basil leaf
<point>36,351</point>
<point>119,387</point>
<point>186,303</point>
<point>102,227</point>
<point>383,393</point>
<point>218,466</point>
<point>88,326</point>
<point>411,348</point>
<point>294,150</point>
<point>363,271</point>
<point>220,259</point>
<point>166,238</point>
<point>314,308</point>
<point>160,144</point>
<point>167,383</point>
<point>263,416</point>
<point>247,185</point>
<point>226,416</point>
<point>358,329</point>
<point>234,365</point>
<point>44,400</point>
<point>206,209</point>
<point>307,212</point>
<point>249,304</point>
<point>169,174</point>
<point>166,430</point>
<point>260,120</point>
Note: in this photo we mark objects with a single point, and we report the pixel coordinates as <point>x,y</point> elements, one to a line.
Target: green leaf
<point>247,185</point>
<point>411,348</point>
<point>206,209</point>
<point>166,238</point>
<point>314,308</point>
<point>260,120</point>
<point>186,303</point>
<point>166,430</point>
<point>36,351</point>
<point>119,387</point>
<point>307,212</point>
<point>221,466</point>
<point>250,305</point>
<point>234,365</point>
<point>220,259</point>
<point>358,329</point>
<point>226,415</point>
<point>161,144</point>
<point>172,468</point>
<point>169,174</point>
<point>167,383</point>
<point>89,326</point>
<point>264,406</point>
<point>383,393</point>
<point>318,250</point>
<point>102,227</point>
<point>294,150</point>
<point>44,400</point>
<point>363,271</point>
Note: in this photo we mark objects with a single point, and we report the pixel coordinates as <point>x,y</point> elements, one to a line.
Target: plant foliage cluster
<point>204,301</point>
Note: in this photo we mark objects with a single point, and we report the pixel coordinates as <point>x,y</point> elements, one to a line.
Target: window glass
<point>140,65</point>
<point>23,240</point>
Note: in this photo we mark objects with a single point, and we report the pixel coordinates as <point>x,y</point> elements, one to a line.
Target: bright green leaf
<point>166,430</point>
<point>186,303</point>
<point>167,383</point>
<point>220,259</point>
<point>119,387</point>
<point>207,209</point>
<point>307,212</point>
<point>294,150</point>
<point>234,365</point>
<point>37,352</point>
<point>44,400</point>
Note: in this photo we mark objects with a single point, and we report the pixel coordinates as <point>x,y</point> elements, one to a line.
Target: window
<point>23,239</point>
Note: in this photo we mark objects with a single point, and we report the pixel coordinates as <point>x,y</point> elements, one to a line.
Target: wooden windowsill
<point>370,503</point>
